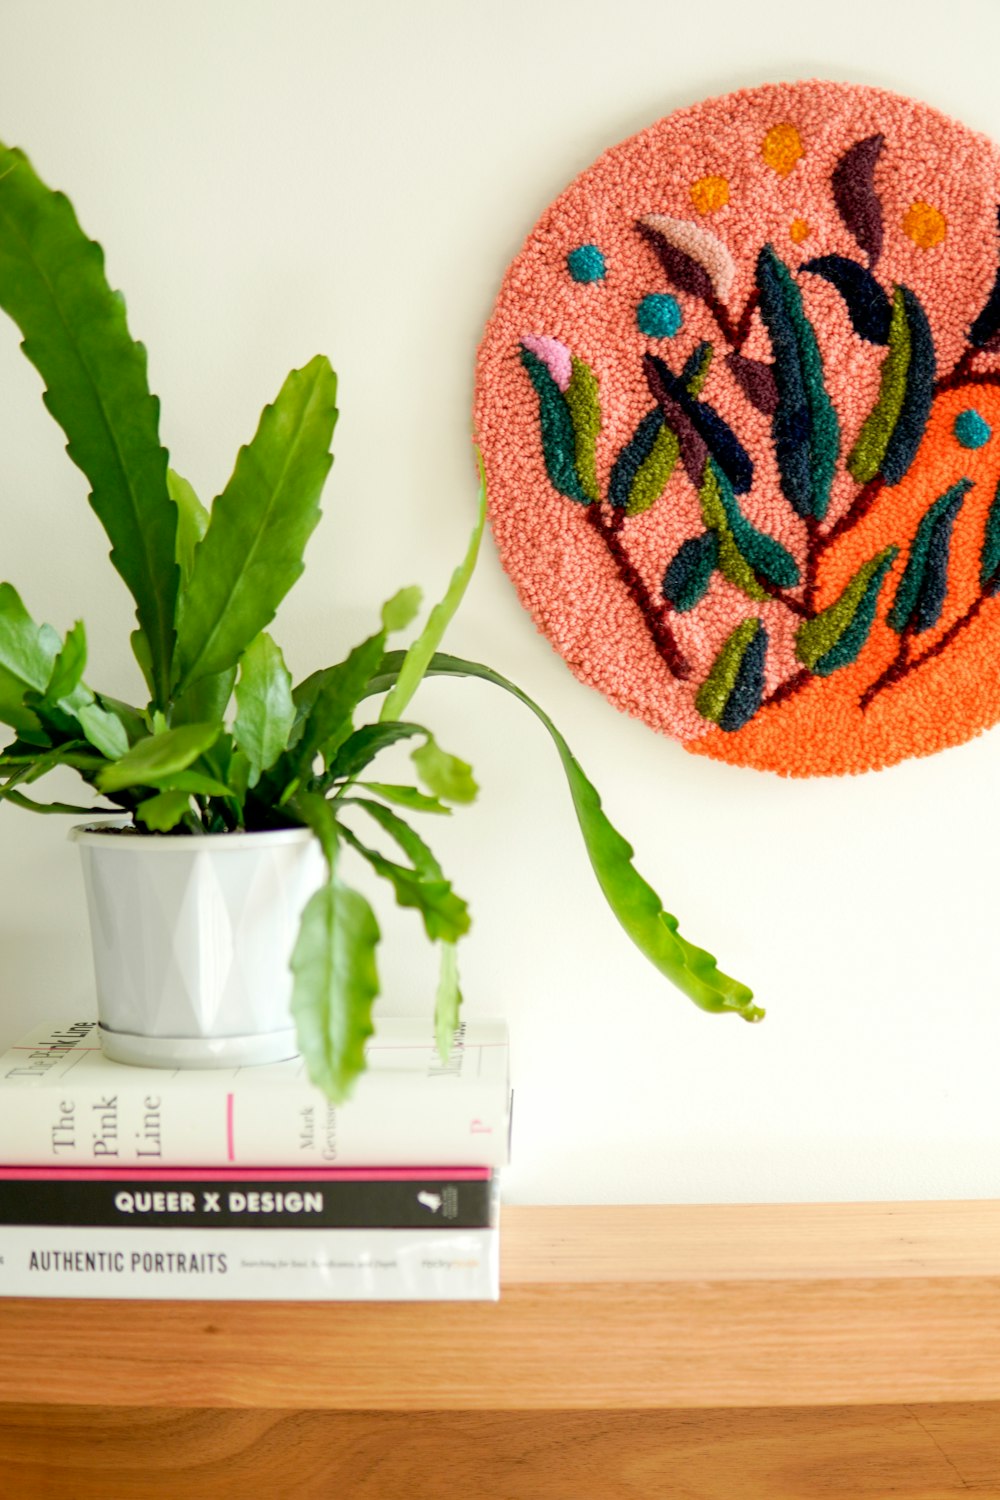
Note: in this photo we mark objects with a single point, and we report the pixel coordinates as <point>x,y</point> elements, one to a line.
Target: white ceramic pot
<point>192,938</point>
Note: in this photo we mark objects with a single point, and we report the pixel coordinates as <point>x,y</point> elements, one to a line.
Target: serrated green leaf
<point>447,1001</point>
<point>421,857</point>
<point>316,813</point>
<point>192,521</point>
<point>402,609</point>
<point>30,805</point>
<point>252,551</point>
<point>329,699</point>
<point>445,915</point>
<point>69,665</point>
<point>205,701</point>
<point>103,729</point>
<point>444,774</point>
<point>52,284</point>
<point>158,756</point>
<point>265,711</point>
<point>634,903</point>
<point>27,656</point>
<point>406,796</point>
<point>335,986</point>
<point>361,747</point>
<point>429,639</point>
<point>164,811</point>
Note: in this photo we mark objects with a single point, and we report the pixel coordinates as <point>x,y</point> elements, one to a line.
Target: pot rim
<point>94,835</point>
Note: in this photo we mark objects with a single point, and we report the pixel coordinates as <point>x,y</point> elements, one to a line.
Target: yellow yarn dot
<point>799,230</point>
<point>782,148</point>
<point>925,225</point>
<point>709,194</point>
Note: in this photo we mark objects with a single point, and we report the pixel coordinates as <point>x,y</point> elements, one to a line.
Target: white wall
<point>275,177</point>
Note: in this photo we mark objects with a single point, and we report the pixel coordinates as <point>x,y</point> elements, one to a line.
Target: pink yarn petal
<point>701,245</point>
<point>554,356</point>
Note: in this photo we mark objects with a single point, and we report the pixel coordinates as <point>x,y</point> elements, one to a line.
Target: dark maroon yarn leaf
<point>694,449</point>
<point>681,269</point>
<point>756,380</point>
<point>855,196</point>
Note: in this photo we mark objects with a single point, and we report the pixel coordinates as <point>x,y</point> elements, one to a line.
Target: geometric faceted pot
<point>192,938</point>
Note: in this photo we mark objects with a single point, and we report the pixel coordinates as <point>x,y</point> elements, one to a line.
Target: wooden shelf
<point>602,1308</point>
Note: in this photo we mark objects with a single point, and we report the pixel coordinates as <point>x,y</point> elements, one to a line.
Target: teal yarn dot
<point>586,263</point>
<point>972,430</point>
<point>659,315</point>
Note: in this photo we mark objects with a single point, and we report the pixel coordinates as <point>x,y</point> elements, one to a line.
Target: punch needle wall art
<point>739,401</point>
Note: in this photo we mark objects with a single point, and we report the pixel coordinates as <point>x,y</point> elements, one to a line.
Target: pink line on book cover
<point>241,1174</point>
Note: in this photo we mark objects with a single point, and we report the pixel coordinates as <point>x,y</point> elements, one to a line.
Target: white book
<point>280,1265</point>
<point>63,1103</point>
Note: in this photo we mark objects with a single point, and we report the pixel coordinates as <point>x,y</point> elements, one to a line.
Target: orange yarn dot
<point>709,194</point>
<point>925,225</point>
<point>799,230</point>
<point>782,148</point>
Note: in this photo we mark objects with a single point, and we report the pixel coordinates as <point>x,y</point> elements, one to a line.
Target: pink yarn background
<point>562,571</point>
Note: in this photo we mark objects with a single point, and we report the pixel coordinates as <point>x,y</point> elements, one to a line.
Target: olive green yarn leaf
<point>865,459</point>
<point>75,333</point>
<point>835,637</point>
<point>443,774</point>
<point>335,984</point>
<point>192,522</point>
<point>251,553</point>
<point>27,656</point>
<point>633,902</point>
<point>696,368</point>
<point>557,431</point>
<point>447,1001</point>
<point>163,811</point>
<point>158,756</point>
<point>654,471</point>
<point>265,711</point>
<point>440,617</point>
<point>714,693</point>
<point>583,398</point>
<point>445,915</point>
<point>732,564</point>
<point>766,556</point>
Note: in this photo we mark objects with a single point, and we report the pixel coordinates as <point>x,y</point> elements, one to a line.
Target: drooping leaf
<point>924,585</point>
<point>251,553</point>
<point>445,915</point>
<point>30,805</point>
<point>918,396</point>
<point>694,259</point>
<point>634,903</point>
<point>687,578</point>
<point>725,447</point>
<point>583,399</point>
<point>164,810</point>
<point>159,755</point>
<point>447,1001</point>
<point>52,284</point>
<point>854,194</point>
<point>557,432</point>
<point>335,986</point>
<point>444,774</point>
<point>27,655</point>
<point>406,796</point>
<point>420,855</point>
<point>192,522</point>
<point>332,696</point>
<point>989,560</point>
<point>69,665</point>
<point>265,711</point>
<point>805,427</point>
<point>733,690</point>
<point>869,308</point>
<point>429,639</point>
<point>866,457</point>
<point>756,380</point>
<point>361,747</point>
<point>986,325</point>
<point>834,638</point>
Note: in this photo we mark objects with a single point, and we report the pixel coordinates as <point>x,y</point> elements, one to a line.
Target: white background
<point>273,178</point>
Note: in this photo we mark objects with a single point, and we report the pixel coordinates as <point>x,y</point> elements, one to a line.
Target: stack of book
<point>247,1183</point>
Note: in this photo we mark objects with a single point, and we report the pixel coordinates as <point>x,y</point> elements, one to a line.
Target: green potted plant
<point>238,793</point>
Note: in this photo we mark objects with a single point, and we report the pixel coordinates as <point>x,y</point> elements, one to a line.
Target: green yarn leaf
<point>715,691</point>
<point>75,333</point>
<point>557,431</point>
<point>696,368</point>
<point>732,564</point>
<point>653,473</point>
<point>835,637</point>
<point>745,554</point>
<point>989,561</point>
<point>866,456</point>
<point>923,586</point>
<point>584,403</point>
<point>634,903</point>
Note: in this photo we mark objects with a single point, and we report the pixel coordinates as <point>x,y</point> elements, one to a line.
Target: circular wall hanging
<point>739,404</point>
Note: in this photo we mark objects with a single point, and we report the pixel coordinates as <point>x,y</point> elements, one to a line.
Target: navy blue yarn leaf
<point>989,559</point>
<point>558,435</point>
<point>631,459</point>
<point>767,557</point>
<point>720,439</point>
<point>855,196</point>
<point>748,689</point>
<point>918,396</point>
<point>687,578</point>
<point>924,584</point>
<point>695,370</point>
<point>866,301</point>
<point>804,427</point>
<point>987,324</point>
<point>848,647</point>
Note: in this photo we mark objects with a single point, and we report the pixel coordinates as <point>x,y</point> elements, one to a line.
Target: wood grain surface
<point>873,1453</point>
<point>614,1309</point>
